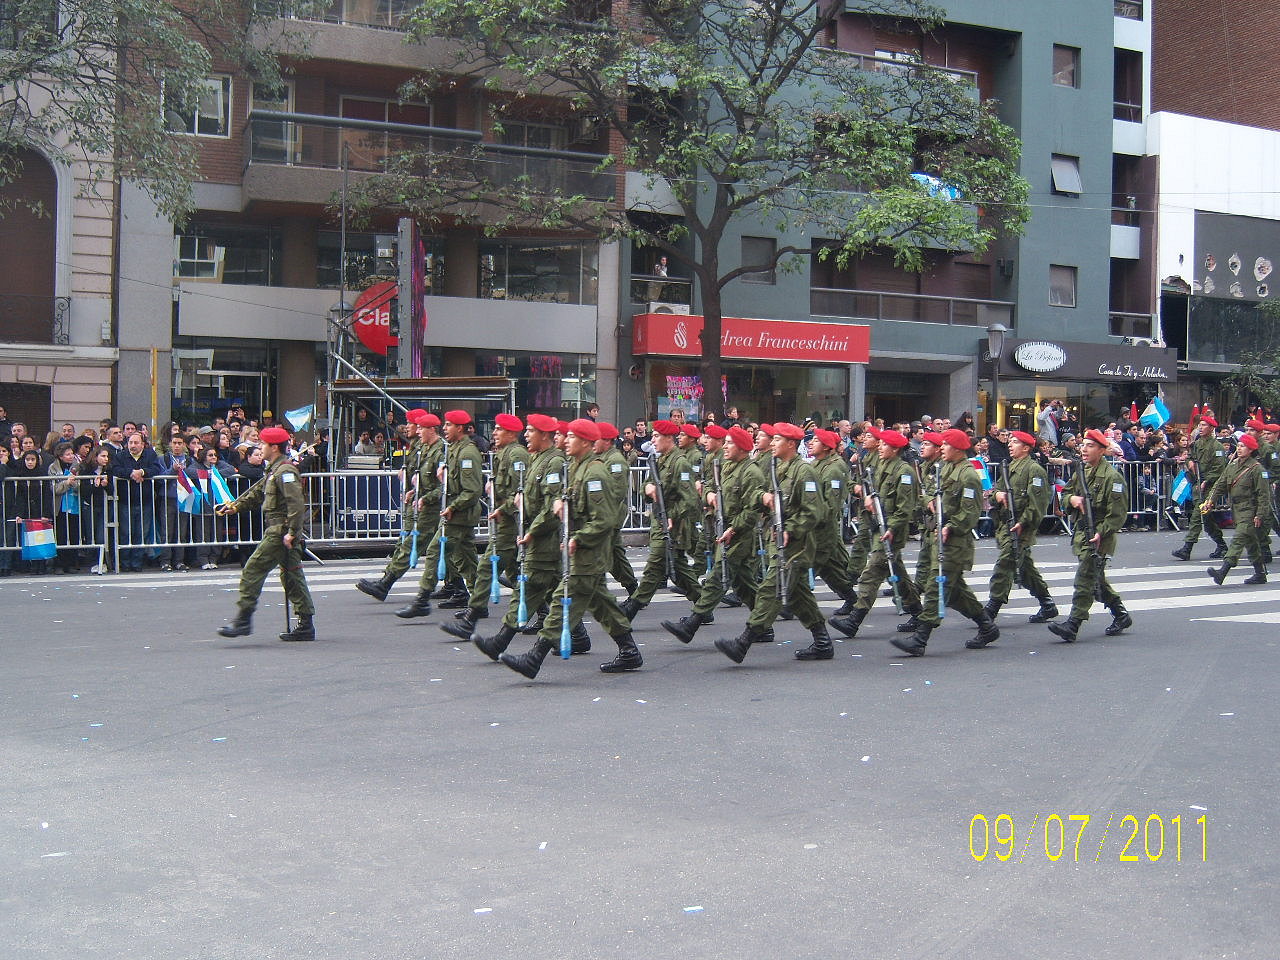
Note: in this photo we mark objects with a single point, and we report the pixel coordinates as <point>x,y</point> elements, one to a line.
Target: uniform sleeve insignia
<point>969,493</point>
<point>810,487</point>
<point>594,486</point>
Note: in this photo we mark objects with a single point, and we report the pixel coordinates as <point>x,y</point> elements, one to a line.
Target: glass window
<point>553,383</point>
<point>1066,66</point>
<point>549,271</point>
<point>1066,175</point>
<point>229,254</point>
<point>274,141</point>
<point>759,251</point>
<point>197,258</point>
<point>212,114</point>
<point>1062,285</point>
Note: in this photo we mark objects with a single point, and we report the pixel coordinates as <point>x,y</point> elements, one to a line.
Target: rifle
<point>1091,528</point>
<point>1018,553</point>
<point>494,594</point>
<point>566,636</point>
<point>412,499</point>
<point>941,578</point>
<point>724,565</point>
<point>779,535</point>
<point>660,506</point>
<point>878,512</point>
<point>522,611</point>
<point>441,568</point>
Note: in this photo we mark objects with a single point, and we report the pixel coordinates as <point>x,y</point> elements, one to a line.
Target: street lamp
<point>995,346</point>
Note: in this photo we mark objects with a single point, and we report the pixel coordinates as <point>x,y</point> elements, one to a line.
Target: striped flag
<point>1156,415</point>
<point>983,473</point>
<point>1180,492</point>
<point>215,487</point>
<point>188,496</point>
<point>38,542</point>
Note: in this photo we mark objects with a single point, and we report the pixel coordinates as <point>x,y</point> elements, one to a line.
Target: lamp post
<point>995,346</point>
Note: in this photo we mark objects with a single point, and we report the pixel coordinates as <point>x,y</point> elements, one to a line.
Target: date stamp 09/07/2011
<point>1063,837</point>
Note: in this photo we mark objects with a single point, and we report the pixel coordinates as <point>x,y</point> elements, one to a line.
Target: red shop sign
<point>372,317</point>
<point>678,335</point>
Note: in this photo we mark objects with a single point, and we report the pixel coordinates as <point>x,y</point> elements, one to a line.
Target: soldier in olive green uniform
<point>1109,500</point>
<point>864,459</point>
<point>801,509</point>
<point>1031,494</point>
<point>1208,458</point>
<point>897,487</point>
<point>831,559</point>
<point>737,497</point>
<point>463,474</point>
<point>961,508</point>
<point>689,444</point>
<point>679,498</point>
<point>927,558</point>
<point>619,476</point>
<point>279,492</point>
<point>1248,488</point>
<point>509,461</point>
<point>1269,458</point>
<point>591,522</point>
<point>421,502</point>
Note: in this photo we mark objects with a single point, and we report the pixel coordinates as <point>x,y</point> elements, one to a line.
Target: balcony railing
<point>378,14</point>
<point>25,319</point>
<point>1128,9</point>
<point>889,65</point>
<point>1123,110</point>
<point>914,308</point>
<point>1130,324</point>
<point>310,140</point>
<point>646,289</point>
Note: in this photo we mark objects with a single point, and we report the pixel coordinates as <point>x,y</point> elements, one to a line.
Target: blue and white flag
<point>215,487</point>
<point>1181,490</point>
<point>981,469</point>
<point>38,542</point>
<point>1155,416</point>
<point>300,419</point>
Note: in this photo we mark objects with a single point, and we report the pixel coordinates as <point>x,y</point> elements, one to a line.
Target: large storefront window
<point>362,265</point>
<point>209,374</point>
<point>228,254</point>
<point>1087,404</point>
<point>762,392</point>
<point>549,271</point>
<point>557,384</point>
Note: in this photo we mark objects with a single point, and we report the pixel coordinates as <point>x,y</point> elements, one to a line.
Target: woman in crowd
<point>96,500</point>
<point>7,537</point>
<point>66,506</point>
<point>208,530</point>
<point>33,497</point>
<point>226,450</point>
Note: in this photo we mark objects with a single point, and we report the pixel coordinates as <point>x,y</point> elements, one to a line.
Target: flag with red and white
<point>188,496</point>
<point>983,474</point>
<point>38,541</point>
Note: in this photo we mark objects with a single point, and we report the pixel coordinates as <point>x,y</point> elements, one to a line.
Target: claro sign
<point>800,341</point>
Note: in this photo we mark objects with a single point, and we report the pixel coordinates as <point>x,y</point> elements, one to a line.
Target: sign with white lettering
<point>676,335</point>
<point>1090,362</point>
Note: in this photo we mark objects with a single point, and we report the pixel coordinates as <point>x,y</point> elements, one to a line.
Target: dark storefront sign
<point>1094,362</point>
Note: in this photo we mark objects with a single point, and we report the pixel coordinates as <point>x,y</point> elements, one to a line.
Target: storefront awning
<point>798,341</point>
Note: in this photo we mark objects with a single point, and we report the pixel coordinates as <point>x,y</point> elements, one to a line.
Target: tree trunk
<point>713,401</point>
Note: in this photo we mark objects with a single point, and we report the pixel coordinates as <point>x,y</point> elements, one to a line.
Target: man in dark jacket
<point>133,467</point>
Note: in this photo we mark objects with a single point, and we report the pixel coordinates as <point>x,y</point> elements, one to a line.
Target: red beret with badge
<point>741,439</point>
<point>607,430</point>
<point>508,422</point>
<point>788,430</point>
<point>1249,441</point>
<point>690,430</point>
<point>957,439</point>
<point>666,428</point>
<point>716,432</point>
<point>540,421</point>
<point>1023,437</point>
<point>1098,437</point>
<point>932,436</point>
<point>893,438</point>
<point>277,435</point>
<point>827,438</point>
<point>429,420</point>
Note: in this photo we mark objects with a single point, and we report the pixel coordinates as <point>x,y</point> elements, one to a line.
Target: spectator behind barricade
<point>380,447</point>
<point>1048,419</point>
<point>630,454</point>
<point>96,486</point>
<point>965,422</point>
<point>1227,437</point>
<point>114,438</point>
<point>251,470</point>
<point>177,522</point>
<point>7,537</point>
<point>66,507</point>
<point>82,447</point>
<point>997,443</point>
<point>133,469</point>
<point>1148,490</point>
<point>226,450</point>
<point>208,530</point>
<point>67,433</point>
<point>251,465</point>
<point>33,498</point>
<point>5,426</point>
<point>364,446</point>
<point>732,418</point>
<point>1128,443</point>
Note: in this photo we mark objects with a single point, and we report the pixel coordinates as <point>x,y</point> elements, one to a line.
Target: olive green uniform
<point>462,497</point>
<point>1268,456</point>
<point>1110,500</point>
<point>1210,458</point>
<point>1248,488</point>
<point>283,503</point>
<point>427,521</point>
<point>862,540</point>
<point>927,558</point>
<point>739,490</point>
<point>961,509</point>
<point>896,483</point>
<point>544,480</point>
<point>619,476</point>
<point>680,499</point>
<point>802,510</point>
<point>508,464</point>
<point>1031,494</point>
<point>412,522</point>
<point>831,559</point>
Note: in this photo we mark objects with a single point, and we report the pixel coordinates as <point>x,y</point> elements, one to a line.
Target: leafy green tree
<point>1257,379</point>
<point>741,110</point>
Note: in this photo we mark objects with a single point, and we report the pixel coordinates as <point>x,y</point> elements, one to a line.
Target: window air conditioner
<point>659,307</point>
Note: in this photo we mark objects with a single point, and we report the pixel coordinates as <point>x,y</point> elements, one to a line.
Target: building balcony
<point>1130,324</point>
<point>35,320</point>
<point>655,290</point>
<point>300,158</point>
<point>894,67</point>
<point>1126,242</point>
<point>1128,9</point>
<point>912,308</point>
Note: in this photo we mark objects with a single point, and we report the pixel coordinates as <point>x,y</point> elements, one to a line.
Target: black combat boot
<point>1048,611</point>
<point>305,630</point>
<point>914,645</point>
<point>1259,575</point>
<point>420,607</point>
<point>461,597</point>
<point>531,662</point>
<point>988,632</point>
<point>580,640</point>
<point>628,657</point>
<point>630,608</point>
<point>765,636</point>
<point>736,649</point>
<point>848,625</point>
<point>378,589</point>
<point>684,629</point>
<point>465,625</point>
<point>846,608</point>
<point>910,624</point>
<point>1120,622</point>
<point>1183,552</point>
<point>493,647</point>
<point>1067,630</point>
<point>505,581</point>
<point>992,607</point>
<point>1219,573</point>
<point>730,599</point>
<point>241,626</point>
<point>534,626</point>
<point>820,649</point>
<point>445,590</point>
<point>1219,551</point>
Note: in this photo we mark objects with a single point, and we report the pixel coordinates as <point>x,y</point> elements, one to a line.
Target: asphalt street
<point>387,792</point>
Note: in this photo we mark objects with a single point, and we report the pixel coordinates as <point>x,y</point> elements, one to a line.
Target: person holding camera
<point>1048,418</point>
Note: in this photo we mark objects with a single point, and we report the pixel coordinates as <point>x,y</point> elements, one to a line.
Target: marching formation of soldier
<point>744,519</point>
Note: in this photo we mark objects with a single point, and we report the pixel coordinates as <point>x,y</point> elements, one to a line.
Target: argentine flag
<point>188,496</point>
<point>1180,492</point>
<point>1155,416</point>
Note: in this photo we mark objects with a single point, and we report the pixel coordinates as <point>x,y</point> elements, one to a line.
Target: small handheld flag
<point>189,498</point>
<point>1156,415</point>
<point>1180,492</point>
<point>38,542</point>
<point>983,474</point>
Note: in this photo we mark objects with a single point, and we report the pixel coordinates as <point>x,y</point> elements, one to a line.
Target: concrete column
<point>146,308</point>
<point>295,376</point>
<point>461,266</point>
<point>962,392</point>
<point>298,255</point>
<point>856,408</point>
<point>608,324</point>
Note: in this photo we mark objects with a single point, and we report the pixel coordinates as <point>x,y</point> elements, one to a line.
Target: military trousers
<point>738,564</point>
<point>587,593</point>
<point>654,575</point>
<point>424,528</point>
<point>1090,584</point>
<point>886,559</point>
<point>958,597</point>
<point>1248,538</point>
<point>1200,521</point>
<point>619,565</point>
<point>1006,565</point>
<point>538,588</point>
<point>460,559</point>
<point>270,554</point>
<point>861,547</point>
<point>503,546</point>
<point>800,599</point>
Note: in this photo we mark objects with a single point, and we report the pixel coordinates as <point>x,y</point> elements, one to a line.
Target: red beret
<point>665,427</point>
<point>414,415</point>
<point>691,430</point>
<point>1098,437</point>
<point>1273,428</point>
<point>1256,424</point>
<point>766,428</point>
<point>607,430</point>
<point>1249,442</point>
<point>428,420</point>
<point>933,437</point>
<point>874,431</point>
<point>458,418</point>
<point>788,430</point>
<point>827,438</point>
<point>540,421</point>
<point>1209,420</point>
<point>584,430</point>
<point>562,426</point>
<point>274,435</point>
<point>1023,437</point>
<point>893,438</point>
<point>508,422</point>
<point>741,439</point>
<point>956,438</point>
<point>716,432</point>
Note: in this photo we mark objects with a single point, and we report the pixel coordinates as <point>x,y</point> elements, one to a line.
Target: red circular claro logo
<point>372,317</point>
